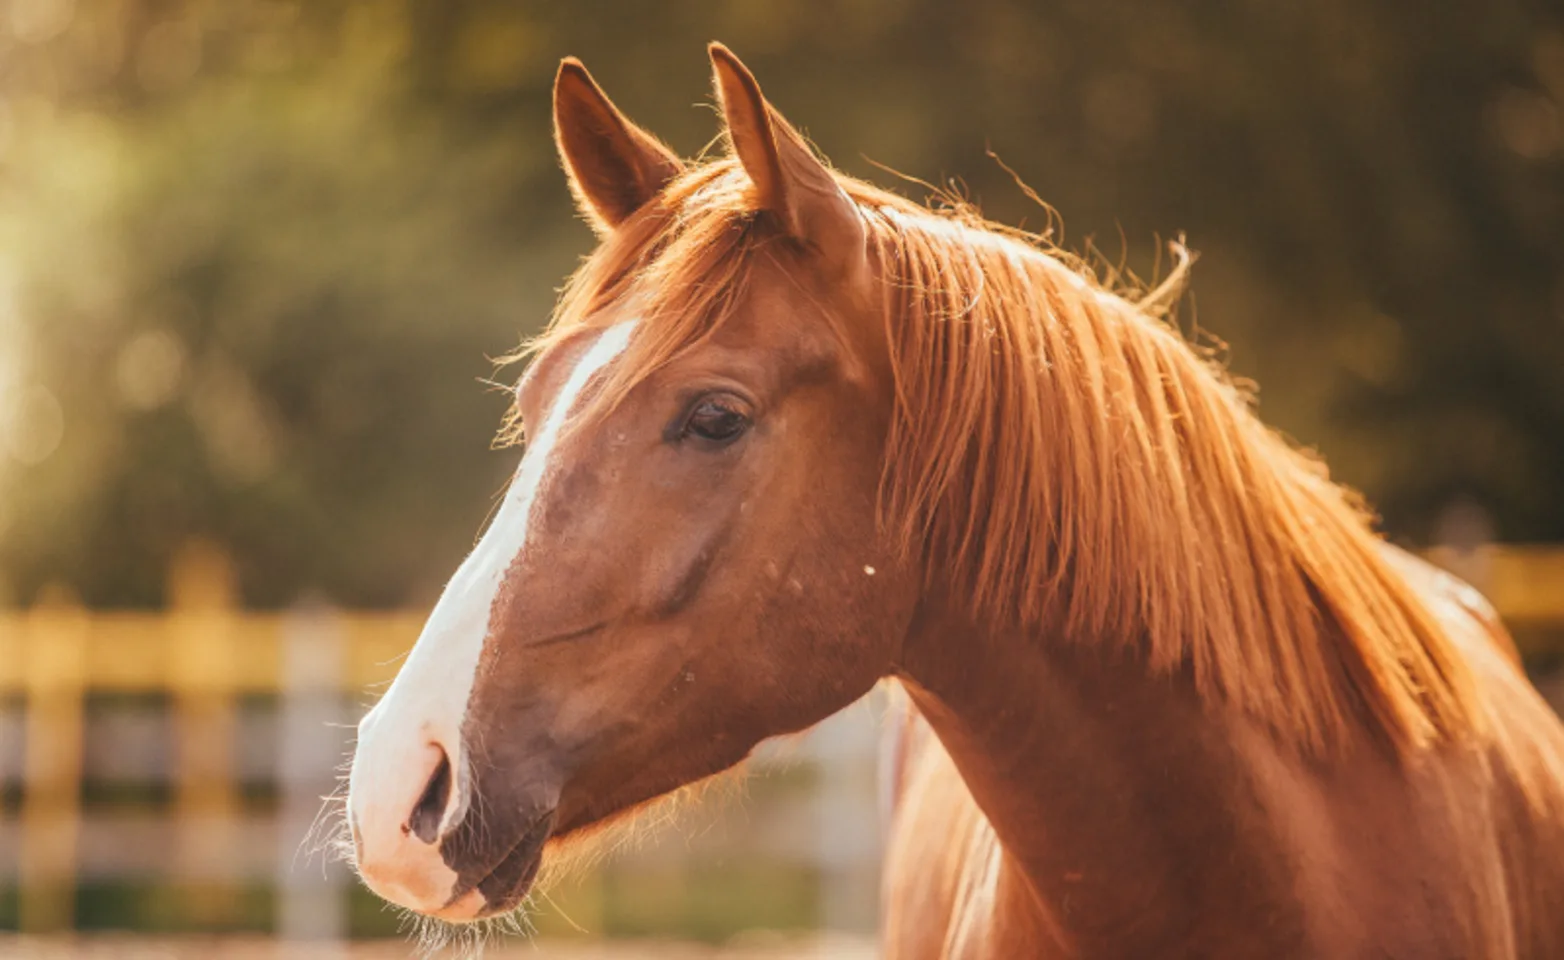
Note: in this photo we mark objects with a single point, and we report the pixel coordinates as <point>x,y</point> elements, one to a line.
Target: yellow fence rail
<point>204,652</point>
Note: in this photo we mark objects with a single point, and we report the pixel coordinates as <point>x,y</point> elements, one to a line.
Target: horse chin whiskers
<point>433,937</point>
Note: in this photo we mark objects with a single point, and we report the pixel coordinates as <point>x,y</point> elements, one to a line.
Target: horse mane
<point>1065,460</point>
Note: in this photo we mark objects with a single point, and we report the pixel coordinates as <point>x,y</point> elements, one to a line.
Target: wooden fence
<point>204,653</point>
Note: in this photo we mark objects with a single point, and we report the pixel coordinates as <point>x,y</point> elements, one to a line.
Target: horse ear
<point>790,181</point>
<point>614,166</point>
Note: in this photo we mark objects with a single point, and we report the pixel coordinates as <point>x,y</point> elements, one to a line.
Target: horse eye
<point>716,422</point>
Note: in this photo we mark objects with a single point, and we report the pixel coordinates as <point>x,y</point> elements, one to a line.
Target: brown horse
<point>789,435</point>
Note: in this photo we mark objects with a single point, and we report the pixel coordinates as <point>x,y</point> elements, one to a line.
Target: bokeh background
<point>255,256</point>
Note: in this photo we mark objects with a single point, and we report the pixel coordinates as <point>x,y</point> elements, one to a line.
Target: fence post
<point>313,737</point>
<point>200,669</point>
<point>54,650</point>
<point>847,811</point>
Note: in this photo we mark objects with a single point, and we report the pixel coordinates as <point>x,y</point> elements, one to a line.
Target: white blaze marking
<point>428,700</point>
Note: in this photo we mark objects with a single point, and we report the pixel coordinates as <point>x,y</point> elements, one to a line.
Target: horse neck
<point>1102,780</point>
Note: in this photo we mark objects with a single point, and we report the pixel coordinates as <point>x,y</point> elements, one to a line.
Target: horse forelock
<point>1063,457</point>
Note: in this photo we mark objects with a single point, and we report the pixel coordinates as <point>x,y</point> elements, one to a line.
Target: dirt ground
<point>242,948</point>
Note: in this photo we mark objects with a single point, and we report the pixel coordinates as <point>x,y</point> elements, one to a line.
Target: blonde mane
<point>1064,460</point>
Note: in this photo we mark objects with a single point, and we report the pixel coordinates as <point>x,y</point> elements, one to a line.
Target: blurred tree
<point>253,255</point>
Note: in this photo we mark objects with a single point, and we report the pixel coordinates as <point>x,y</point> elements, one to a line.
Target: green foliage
<point>254,255</point>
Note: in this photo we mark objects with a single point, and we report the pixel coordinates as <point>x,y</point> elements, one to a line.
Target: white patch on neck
<point>428,700</point>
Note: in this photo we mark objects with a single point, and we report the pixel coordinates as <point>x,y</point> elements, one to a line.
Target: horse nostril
<point>430,809</point>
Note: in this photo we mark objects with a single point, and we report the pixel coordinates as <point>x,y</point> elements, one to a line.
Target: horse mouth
<point>510,880</point>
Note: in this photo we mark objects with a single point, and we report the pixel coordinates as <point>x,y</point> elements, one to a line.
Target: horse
<point>1166,691</point>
